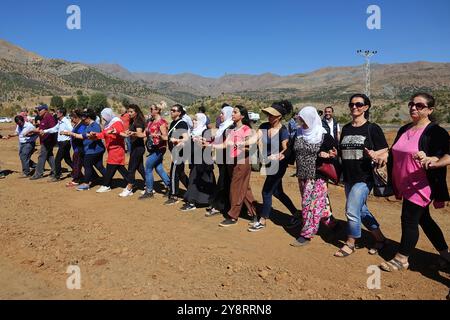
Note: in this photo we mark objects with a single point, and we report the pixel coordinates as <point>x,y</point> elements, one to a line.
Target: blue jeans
<point>357,211</point>
<point>154,161</point>
<point>273,186</point>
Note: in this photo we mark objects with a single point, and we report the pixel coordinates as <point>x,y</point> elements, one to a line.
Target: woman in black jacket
<point>418,144</point>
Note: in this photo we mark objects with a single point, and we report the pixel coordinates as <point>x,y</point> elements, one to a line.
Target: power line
<point>367,54</point>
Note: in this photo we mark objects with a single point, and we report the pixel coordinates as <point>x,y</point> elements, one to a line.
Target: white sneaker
<point>126,193</point>
<point>144,191</point>
<point>103,189</point>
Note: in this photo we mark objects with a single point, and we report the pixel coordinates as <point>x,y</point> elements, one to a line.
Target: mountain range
<point>25,74</point>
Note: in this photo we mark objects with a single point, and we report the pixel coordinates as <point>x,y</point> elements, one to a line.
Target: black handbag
<point>382,187</point>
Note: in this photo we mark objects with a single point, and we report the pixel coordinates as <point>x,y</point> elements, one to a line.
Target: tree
<point>98,101</point>
<point>70,104</point>
<point>79,93</point>
<point>82,102</point>
<point>56,102</point>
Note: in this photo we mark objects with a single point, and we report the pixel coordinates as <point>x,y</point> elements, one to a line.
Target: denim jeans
<point>273,186</point>
<point>357,211</point>
<point>25,152</point>
<point>154,161</point>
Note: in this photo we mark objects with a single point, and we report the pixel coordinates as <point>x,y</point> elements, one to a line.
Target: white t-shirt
<point>331,125</point>
<point>27,127</point>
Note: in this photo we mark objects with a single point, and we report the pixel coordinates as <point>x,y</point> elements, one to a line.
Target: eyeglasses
<point>358,105</point>
<point>419,106</point>
<point>174,110</point>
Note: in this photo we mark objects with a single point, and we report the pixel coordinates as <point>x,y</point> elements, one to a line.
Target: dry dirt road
<point>128,249</point>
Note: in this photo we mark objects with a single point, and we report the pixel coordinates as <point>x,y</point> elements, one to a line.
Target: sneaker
<point>144,191</point>
<point>36,177</point>
<point>55,179</point>
<point>301,242</point>
<point>188,207</point>
<point>212,212</point>
<point>167,194</point>
<point>24,176</point>
<point>171,201</point>
<point>254,221</point>
<point>71,184</point>
<point>147,195</point>
<point>228,223</point>
<point>126,193</point>
<point>256,227</point>
<point>103,189</point>
<point>83,187</point>
<point>2,176</point>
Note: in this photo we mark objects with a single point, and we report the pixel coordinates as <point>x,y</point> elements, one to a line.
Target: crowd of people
<point>416,164</point>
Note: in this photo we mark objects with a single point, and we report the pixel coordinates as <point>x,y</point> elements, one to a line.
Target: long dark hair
<point>244,112</point>
<point>366,102</point>
<point>140,118</point>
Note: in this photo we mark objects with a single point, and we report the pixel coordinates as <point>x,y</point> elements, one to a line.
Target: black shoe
<point>147,195</point>
<point>171,201</point>
<point>166,194</point>
<point>188,207</point>
<point>36,177</point>
<point>228,223</point>
<point>55,179</point>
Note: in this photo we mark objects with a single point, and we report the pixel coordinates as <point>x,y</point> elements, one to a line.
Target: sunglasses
<point>358,105</point>
<point>419,106</point>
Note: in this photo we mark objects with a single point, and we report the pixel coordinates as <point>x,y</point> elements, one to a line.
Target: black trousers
<point>89,162</point>
<point>136,164</point>
<point>177,174</point>
<point>111,170</point>
<point>413,216</point>
<point>63,153</point>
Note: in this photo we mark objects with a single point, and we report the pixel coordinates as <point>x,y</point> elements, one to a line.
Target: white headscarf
<point>200,125</point>
<point>315,131</point>
<point>227,113</point>
<point>109,117</point>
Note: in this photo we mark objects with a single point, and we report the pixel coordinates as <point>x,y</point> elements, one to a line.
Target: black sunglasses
<point>358,105</point>
<point>419,106</point>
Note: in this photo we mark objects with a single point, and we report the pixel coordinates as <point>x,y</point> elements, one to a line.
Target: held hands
<point>92,136</point>
<point>329,155</point>
<point>379,158</point>
<point>426,162</point>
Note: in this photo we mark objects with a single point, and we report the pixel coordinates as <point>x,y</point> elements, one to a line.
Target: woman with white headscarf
<point>201,178</point>
<point>115,145</point>
<point>312,145</point>
<point>220,202</point>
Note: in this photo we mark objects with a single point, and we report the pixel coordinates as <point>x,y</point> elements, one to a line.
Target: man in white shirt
<point>27,144</point>
<point>330,124</point>
<point>64,145</point>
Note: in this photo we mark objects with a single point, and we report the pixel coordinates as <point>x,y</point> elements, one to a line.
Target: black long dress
<point>221,197</point>
<point>202,182</point>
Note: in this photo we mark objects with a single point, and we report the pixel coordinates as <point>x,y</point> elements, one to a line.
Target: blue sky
<point>211,38</point>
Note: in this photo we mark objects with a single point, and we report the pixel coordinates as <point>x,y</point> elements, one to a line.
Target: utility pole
<point>367,55</point>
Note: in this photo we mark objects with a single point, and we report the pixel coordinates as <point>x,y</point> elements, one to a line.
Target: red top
<point>126,120</point>
<point>115,143</point>
<point>155,127</point>
<point>47,122</point>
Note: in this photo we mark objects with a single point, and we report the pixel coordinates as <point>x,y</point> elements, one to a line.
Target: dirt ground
<point>129,249</point>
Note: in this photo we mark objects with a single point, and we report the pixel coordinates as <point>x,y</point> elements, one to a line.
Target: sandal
<point>343,254</point>
<point>379,245</point>
<point>394,265</point>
